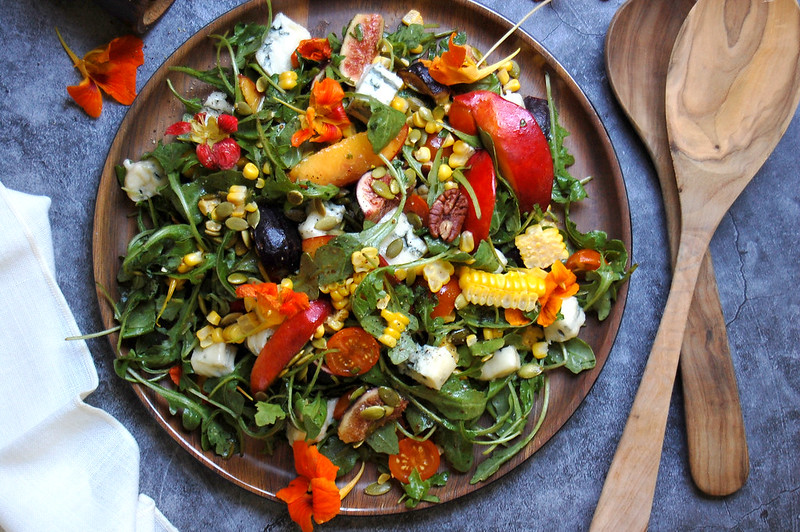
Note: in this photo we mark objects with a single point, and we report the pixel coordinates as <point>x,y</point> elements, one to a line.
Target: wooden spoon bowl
<point>638,47</point>
<point>733,85</point>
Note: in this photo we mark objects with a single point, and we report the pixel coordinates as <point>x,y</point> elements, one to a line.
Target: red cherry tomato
<point>417,205</point>
<point>446,299</point>
<point>584,260</point>
<point>420,455</point>
<point>352,351</point>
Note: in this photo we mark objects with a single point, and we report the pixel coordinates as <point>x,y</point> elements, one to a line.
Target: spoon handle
<point>627,496</point>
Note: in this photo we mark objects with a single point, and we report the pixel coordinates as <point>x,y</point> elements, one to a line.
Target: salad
<point>361,241</point>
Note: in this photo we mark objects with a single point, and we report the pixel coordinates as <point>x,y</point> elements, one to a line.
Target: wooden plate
<point>155,108</point>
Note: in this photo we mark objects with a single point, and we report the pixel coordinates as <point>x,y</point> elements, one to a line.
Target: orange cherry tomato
<point>446,299</point>
<point>420,455</point>
<point>584,260</point>
<point>353,351</point>
<point>311,245</point>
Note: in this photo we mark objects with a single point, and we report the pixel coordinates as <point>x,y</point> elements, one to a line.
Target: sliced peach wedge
<point>343,163</point>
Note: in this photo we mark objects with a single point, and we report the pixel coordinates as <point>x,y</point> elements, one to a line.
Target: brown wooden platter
<point>156,108</point>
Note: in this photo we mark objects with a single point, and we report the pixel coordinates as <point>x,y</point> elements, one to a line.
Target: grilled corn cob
<point>518,289</point>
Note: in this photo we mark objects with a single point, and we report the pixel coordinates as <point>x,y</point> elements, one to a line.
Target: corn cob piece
<point>518,289</point>
<point>541,246</point>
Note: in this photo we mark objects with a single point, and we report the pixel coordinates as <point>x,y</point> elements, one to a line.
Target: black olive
<point>278,242</point>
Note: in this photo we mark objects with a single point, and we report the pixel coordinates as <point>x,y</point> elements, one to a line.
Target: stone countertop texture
<point>50,147</point>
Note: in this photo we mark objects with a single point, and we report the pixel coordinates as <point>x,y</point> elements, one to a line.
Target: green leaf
<point>383,125</point>
<point>268,413</point>
<point>384,439</point>
<point>457,449</point>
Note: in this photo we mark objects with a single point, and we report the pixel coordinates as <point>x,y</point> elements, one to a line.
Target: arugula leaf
<point>384,439</point>
<point>417,489</point>
<point>268,413</point>
<point>566,188</point>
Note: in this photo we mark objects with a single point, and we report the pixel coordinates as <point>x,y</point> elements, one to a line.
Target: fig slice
<point>360,44</point>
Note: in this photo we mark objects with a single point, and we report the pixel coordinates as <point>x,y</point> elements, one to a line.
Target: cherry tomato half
<point>420,455</point>
<point>417,205</point>
<point>353,351</point>
<point>446,299</point>
<point>584,260</point>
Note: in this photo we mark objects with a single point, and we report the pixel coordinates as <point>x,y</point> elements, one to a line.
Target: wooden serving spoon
<point>733,85</point>
<point>638,46</point>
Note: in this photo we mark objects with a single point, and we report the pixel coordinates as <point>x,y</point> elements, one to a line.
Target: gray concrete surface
<point>48,146</point>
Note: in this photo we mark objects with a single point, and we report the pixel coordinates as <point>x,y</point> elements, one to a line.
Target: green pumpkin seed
<point>319,207</point>
<point>237,224</point>
<point>382,189</point>
<point>528,371</point>
<point>394,248</point>
<point>373,413</point>
<point>237,278</point>
<point>261,84</point>
<point>389,396</point>
<point>414,220</point>
<point>425,114</point>
<point>376,489</point>
<point>379,172</point>
<point>358,392</point>
<point>295,197</point>
<point>223,210</point>
<point>394,186</point>
<point>384,478</point>
<point>243,109</point>
<point>326,223</point>
<point>253,218</point>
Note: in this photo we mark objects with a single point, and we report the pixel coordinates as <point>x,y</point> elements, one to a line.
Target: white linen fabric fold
<point>64,465</point>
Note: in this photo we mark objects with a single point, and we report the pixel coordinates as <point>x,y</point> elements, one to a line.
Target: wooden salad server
<point>733,85</point>
<point>637,51</point>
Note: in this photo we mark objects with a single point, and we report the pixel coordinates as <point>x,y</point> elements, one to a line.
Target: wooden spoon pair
<point>732,87</point>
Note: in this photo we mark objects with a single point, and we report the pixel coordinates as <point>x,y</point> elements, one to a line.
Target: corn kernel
<point>266,169</point>
<point>423,154</point>
<point>412,17</point>
<point>286,284</point>
<point>399,104</point>
<point>287,80</point>
<point>448,141</point>
<point>250,171</point>
<point>216,335</point>
<point>491,334</point>
<point>445,172</point>
<point>461,148</point>
<point>260,182</point>
<point>205,332</point>
<point>449,185</point>
<point>539,350</point>
<point>387,340</point>
<point>193,259</point>
<point>417,49</point>
<point>320,332</point>
<point>418,120</point>
<point>213,317</point>
<point>183,268</point>
<point>467,242</point>
<point>503,76</point>
<point>206,342</point>
<point>512,86</point>
<point>383,61</point>
<point>458,161</point>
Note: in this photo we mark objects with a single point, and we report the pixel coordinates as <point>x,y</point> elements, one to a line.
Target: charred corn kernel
<point>205,332</point>
<point>503,76</point>
<point>412,17</point>
<point>437,273</point>
<point>518,289</point>
<point>540,246</point>
<point>461,148</point>
<point>423,154</point>
<point>511,86</point>
<point>461,301</point>
<point>193,259</point>
<point>539,350</point>
<point>287,80</point>
<point>250,171</point>
<point>216,335</point>
<point>365,260</point>
<point>213,317</point>
<point>334,322</point>
<point>237,194</point>
<point>467,242</point>
<point>445,172</point>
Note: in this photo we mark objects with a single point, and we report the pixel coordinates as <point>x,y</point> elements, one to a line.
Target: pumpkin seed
<point>373,413</point>
<point>358,392</point>
<point>295,197</point>
<point>253,218</point>
<point>528,371</point>
<point>414,219</point>
<point>236,224</point>
<point>319,207</point>
<point>243,109</point>
<point>262,84</point>
<point>223,210</point>
<point>379,172</point>
<point>326,223</point>
<point>376,489</point>
<point>384,478</point>
<point>237,278</point>
<point>394,248</point>
<point>394,186</point>
<point>388,410</point>
<point>389,396</point>
<point>425,114</point>
<point>296,215</point>
<point>382,189</point>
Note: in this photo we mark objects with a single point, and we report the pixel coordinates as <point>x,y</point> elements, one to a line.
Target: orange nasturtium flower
<point>318,49</point>
<point>111,68</point>
<point>560,284</point>
<point>271,298</point>
<point>325,117</point>
<point>313,493</point>
<point>459,65</point>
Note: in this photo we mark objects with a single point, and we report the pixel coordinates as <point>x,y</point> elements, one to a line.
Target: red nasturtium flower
<point>215,149</point>
<point>318,49</point>
<point>313,493</point>
<point>272,298</point>
<point>111,68</point>
<point>325,117</point>
<point>459,65</point>
<point>560,284</point>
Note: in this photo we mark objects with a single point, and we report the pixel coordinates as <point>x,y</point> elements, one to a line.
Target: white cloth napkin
<point>64,465</point>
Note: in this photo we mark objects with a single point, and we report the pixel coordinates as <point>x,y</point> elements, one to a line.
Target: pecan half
<point>447,215</point>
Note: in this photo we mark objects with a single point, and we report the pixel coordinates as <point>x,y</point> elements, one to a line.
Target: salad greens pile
<point>207,288</point>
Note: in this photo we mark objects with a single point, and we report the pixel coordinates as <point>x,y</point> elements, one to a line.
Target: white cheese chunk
<point>431,366</point>
<point>378,82</point>
<point>256,342</point>
<point>308,228</point>
<point>282,39</point>
<point>504,362</point>
<point>143,179</point>
<point>216,360</point>
<point>514,97</point>
<point>413,246</point>
<point>293,433</point>
<point>569,326</point>
<point>217,103</point>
